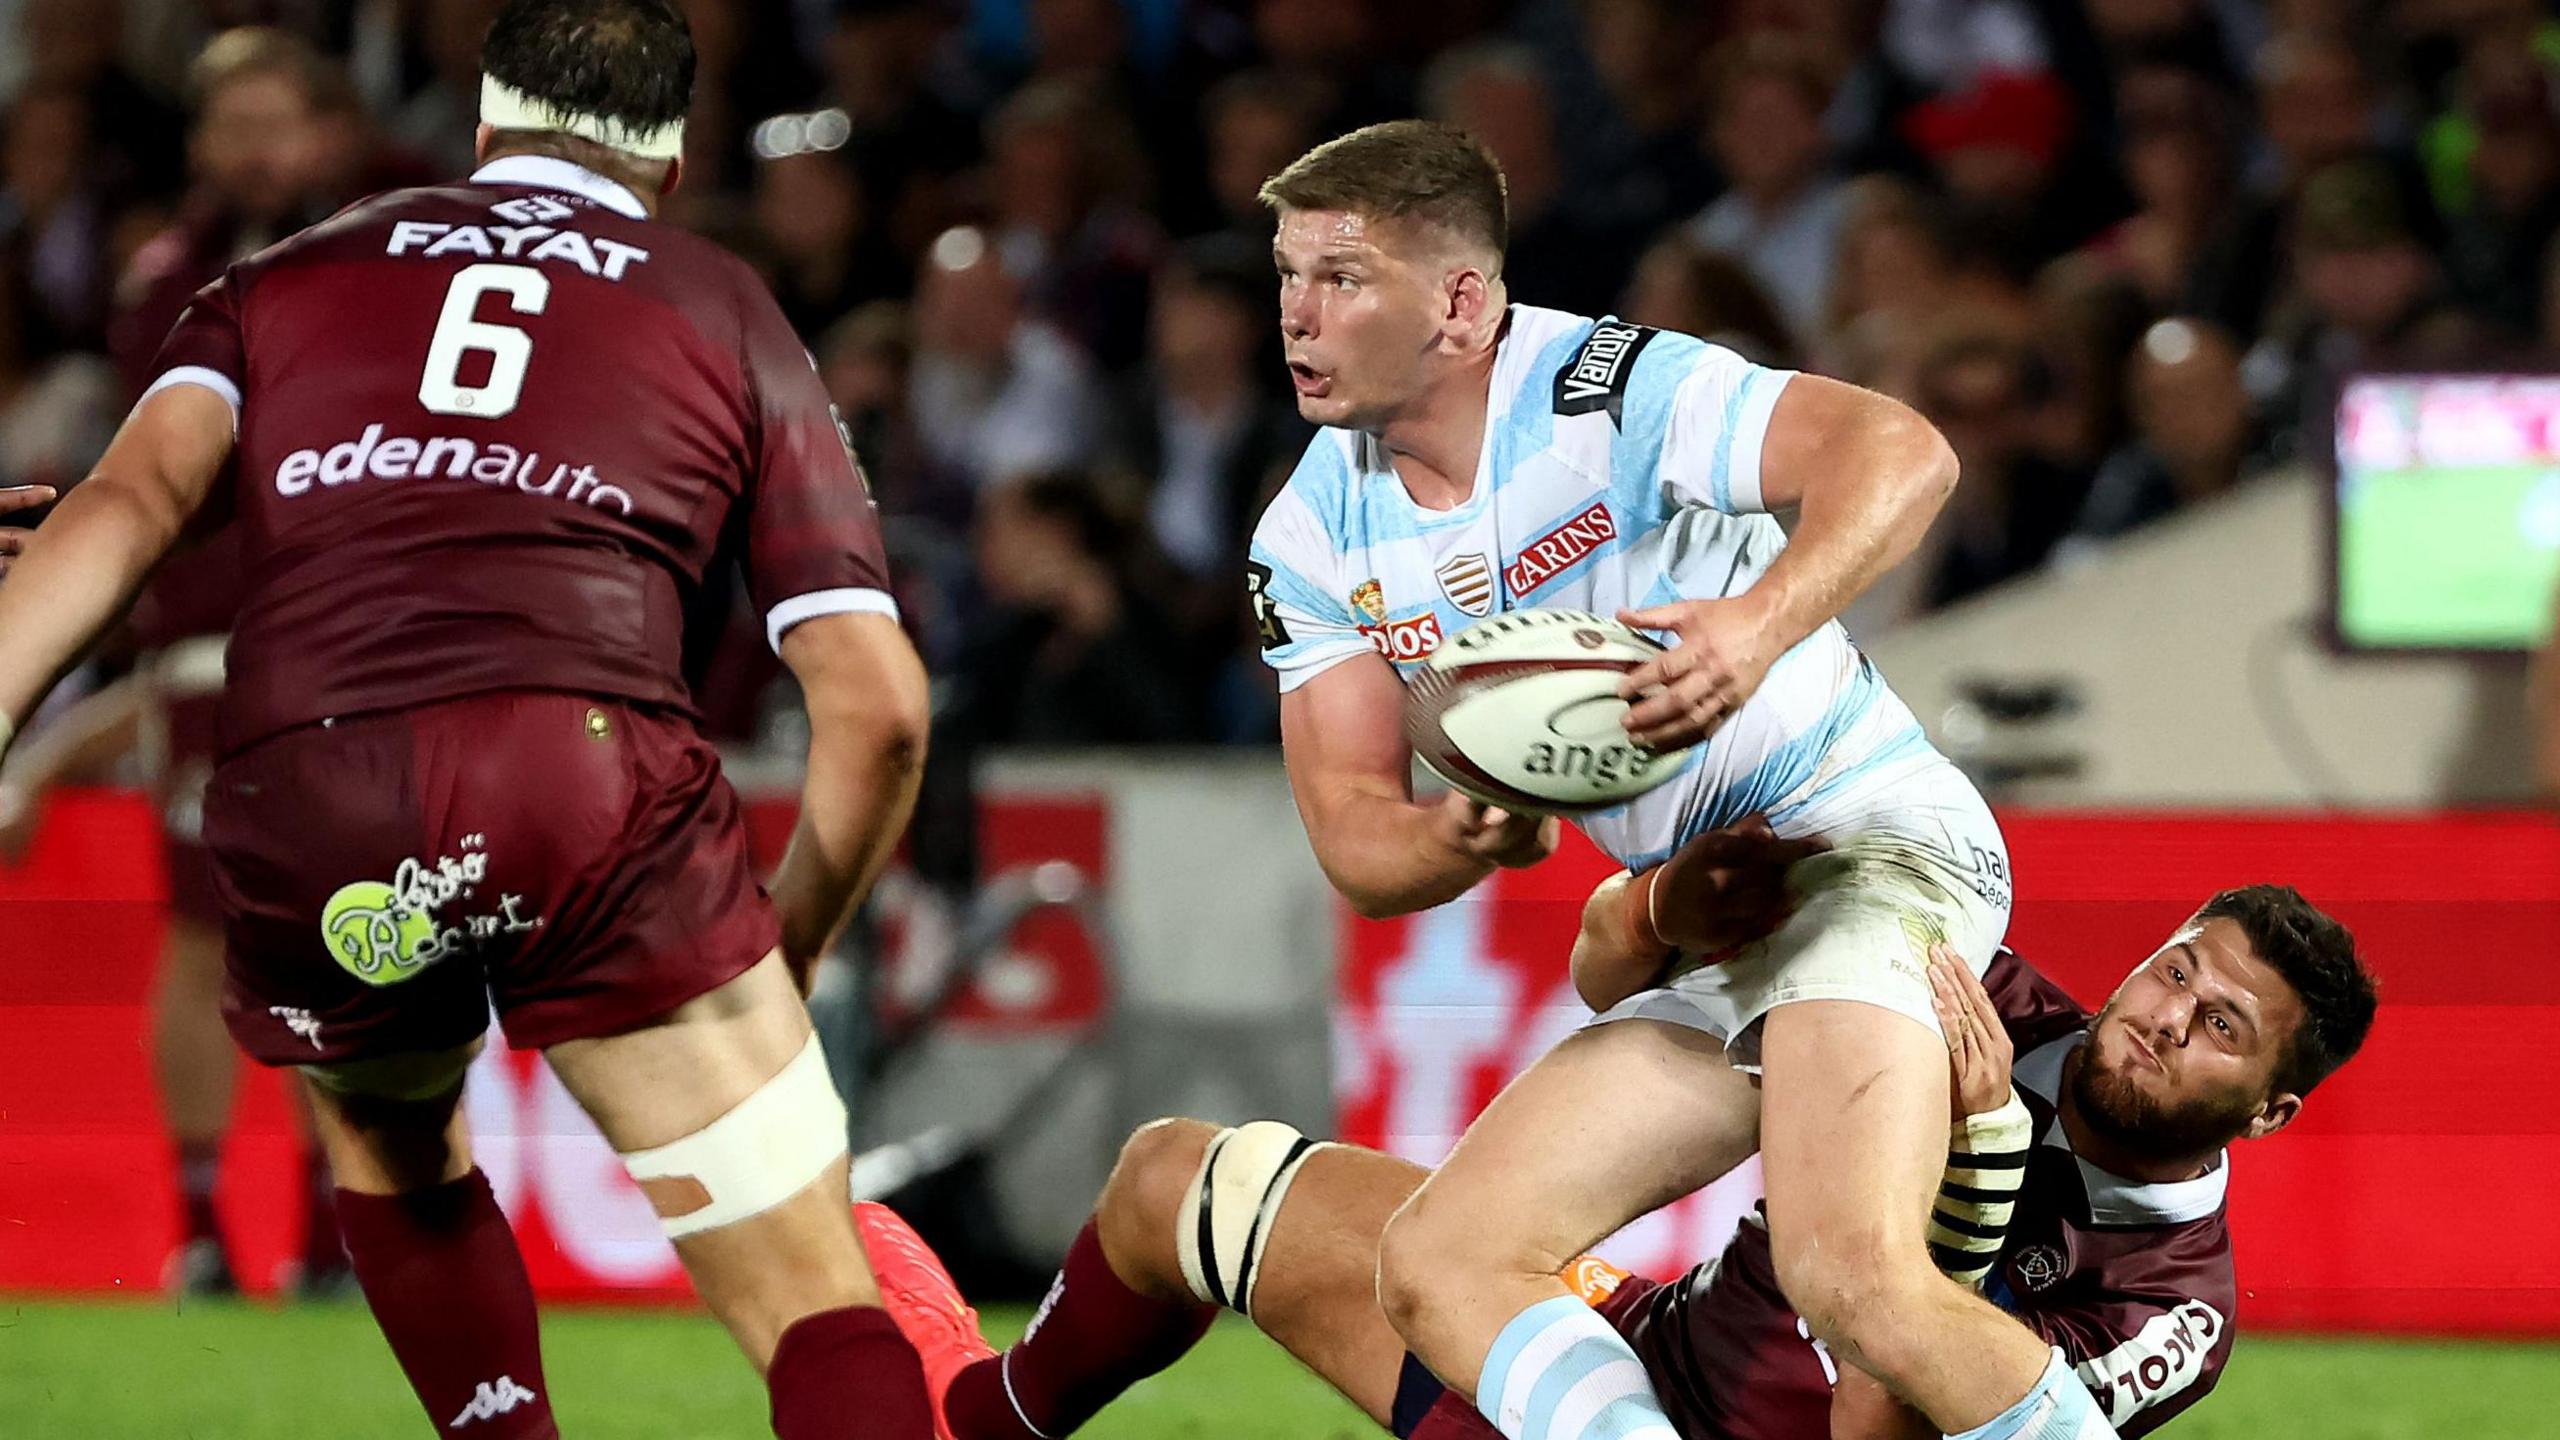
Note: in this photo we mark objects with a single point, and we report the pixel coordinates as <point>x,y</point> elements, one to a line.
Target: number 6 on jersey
<point>509,349</point>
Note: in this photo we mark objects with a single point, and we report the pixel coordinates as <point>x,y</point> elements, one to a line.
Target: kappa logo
<point>1468,582</point>
<point>300,1022</point>
<point>1556,551</point>
<point>1048,1302</point>
<point>493,1399</point>
<point>1597,378</point>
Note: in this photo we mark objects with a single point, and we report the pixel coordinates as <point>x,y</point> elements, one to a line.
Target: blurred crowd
<point>2119,250</point>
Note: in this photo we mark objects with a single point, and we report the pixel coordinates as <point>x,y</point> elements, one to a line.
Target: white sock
<point>2058,1408</point>
<point>1560,1372</point>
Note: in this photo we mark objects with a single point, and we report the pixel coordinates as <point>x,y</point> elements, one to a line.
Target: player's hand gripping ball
<point>1522,711</point>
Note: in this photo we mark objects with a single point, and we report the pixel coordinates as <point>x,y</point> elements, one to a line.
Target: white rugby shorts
<point>1867,912</point>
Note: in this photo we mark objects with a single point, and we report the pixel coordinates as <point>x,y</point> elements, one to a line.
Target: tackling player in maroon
<point>2116,1252</point>
<point>481,442</point>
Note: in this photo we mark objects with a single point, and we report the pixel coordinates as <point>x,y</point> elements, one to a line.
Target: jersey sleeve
<point>1719,407</point>
<point>206,347</point>
<point>812,530</point>
<point>1305,628</point>
<point>2146,1356</point>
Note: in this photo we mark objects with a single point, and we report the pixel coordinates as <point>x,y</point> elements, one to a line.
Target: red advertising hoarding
<point>2403,1200</point>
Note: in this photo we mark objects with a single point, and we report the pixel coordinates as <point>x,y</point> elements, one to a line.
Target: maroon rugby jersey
<point>2134,1281</point>
<point>493,434</point>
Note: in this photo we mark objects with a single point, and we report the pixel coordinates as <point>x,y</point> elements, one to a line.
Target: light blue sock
<point>1560,1372</point>
<point>2058,1408</point>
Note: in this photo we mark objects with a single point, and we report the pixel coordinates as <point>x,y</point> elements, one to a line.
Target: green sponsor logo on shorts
<point>379,940</point>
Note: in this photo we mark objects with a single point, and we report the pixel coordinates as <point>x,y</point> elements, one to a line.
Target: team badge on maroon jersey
<point>1468,582</point>
<point>2038,1267</point>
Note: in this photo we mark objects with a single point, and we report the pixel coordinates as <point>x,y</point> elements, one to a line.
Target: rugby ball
<point>1522,711</point>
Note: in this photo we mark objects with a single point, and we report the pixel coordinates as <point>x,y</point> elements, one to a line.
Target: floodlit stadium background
<point>2191,619</point>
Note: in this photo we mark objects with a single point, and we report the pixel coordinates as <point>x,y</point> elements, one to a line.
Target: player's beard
<point>2113,1104</point>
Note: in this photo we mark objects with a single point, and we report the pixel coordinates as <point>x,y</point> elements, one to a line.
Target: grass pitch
<point>246,1372</point>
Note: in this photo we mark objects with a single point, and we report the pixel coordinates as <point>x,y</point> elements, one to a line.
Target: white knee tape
<point>764,1151</point>
<point>1227,1214</point>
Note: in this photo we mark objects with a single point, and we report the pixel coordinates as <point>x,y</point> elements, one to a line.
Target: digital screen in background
<point>2448,511</point>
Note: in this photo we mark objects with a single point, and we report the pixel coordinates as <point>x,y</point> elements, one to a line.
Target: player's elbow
<point>1371,904</point>
<point>865,688</point>
<point>1142,1201</point>
<point>1353,870</point>
<point>1371,900</point>
<point>1923,456</point>
<point>148,514</point>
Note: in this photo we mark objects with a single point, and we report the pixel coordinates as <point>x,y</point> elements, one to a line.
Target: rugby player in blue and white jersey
<point>1481,458</point>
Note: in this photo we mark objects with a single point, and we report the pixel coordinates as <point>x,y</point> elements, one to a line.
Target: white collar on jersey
<point>2113,1199</point>
<point>553,173</point>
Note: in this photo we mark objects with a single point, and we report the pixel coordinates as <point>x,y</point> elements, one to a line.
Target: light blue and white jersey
<point>1620,469</point>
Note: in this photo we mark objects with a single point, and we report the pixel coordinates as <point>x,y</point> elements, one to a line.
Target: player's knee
<point>1849,1292</point>
<point>1823,1281</point>
<point>1223,1223</point>
<point>1142,1200</point>
<point>1417,1254</point>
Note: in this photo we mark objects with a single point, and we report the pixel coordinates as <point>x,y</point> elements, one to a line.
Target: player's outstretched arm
<point>1865,475</point>
<point>868,714</point>
<point>1352,773</point>
<point>81,570</point>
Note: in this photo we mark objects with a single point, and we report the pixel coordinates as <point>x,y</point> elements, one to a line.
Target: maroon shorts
<point>385,880</point>
<point>192,897</point>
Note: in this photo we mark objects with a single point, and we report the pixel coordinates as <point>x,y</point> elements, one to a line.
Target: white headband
<point>504,107</point>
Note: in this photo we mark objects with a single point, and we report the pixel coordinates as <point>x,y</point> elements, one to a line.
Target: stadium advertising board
<point>2394,1204</point>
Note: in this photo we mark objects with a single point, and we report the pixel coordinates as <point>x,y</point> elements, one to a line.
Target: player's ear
<point>1470,297</point>
<point>2273,1116</point>
<point>480,144</point>
<point>675,177</point>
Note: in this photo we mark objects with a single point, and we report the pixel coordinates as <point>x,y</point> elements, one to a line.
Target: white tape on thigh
<point>764,1151</point>
<point>1227,1215</point>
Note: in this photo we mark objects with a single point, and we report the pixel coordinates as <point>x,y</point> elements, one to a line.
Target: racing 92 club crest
<point>1468,582</point>
<point>1412,638</point>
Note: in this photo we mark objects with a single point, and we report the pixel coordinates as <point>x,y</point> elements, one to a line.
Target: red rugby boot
<point>924,1301</point>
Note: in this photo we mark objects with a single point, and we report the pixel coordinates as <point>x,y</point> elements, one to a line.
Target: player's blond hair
<point>1417,170</point>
